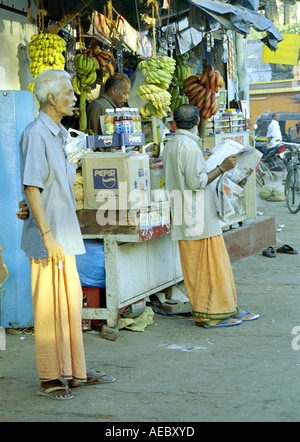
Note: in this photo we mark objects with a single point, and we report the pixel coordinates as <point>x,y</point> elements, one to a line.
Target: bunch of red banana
<point>104,58</point>
<point>201,90</point>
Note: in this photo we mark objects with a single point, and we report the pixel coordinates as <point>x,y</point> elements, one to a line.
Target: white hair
<point>49,82</point>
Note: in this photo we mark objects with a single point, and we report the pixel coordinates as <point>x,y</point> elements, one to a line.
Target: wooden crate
<point>119,222</point>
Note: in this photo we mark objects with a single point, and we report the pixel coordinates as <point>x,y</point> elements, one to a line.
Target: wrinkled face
<point>65,100</point>
<point>120,95</point>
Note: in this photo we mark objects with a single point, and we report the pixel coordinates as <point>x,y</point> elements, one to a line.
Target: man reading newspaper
<point>228,188</point>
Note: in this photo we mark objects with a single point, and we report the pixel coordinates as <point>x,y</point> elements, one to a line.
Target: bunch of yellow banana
<point>46,52</point>
<point>160,99</point>
<point>158,73</point>
<point>148,109</point>
<point>86,68</point>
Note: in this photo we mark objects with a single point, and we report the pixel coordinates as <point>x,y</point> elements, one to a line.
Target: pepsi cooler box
<point>116,181</point>
<point>115,140</point>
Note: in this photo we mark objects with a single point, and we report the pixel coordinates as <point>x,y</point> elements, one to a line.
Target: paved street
<point>176,372</point>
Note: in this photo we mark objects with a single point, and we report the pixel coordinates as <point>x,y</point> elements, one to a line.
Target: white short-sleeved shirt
<point>193,210</point>
<point>274,132</point>
<point>45,164</point>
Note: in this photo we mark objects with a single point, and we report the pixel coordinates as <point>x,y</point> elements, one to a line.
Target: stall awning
<point>239,18</point>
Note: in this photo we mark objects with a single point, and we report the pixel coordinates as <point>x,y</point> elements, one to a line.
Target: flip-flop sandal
<point>244,313</point>
<point>224,323</point>
<point>270,252</point>
<point>94,377</point>
<point>47,392</point>
<point>102,379</point>
<point>287,249</point>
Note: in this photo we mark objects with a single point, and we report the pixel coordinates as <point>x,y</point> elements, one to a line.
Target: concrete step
<point>250,239</point>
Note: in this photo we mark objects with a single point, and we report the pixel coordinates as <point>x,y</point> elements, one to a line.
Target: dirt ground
<point>174,372</point>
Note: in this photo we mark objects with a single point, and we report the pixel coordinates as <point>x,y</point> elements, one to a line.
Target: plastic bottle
<point>122,120</point>
<point>126,121</point>
<point>105,118</point>
<point>225,128</point>
<point>234,120</point>
<point>217,124</point>
<point>130,121</point>
<point>109,122</point>
<point>136,121</point>
<point>157,176</point>
<point>118,121</point>
<point>240,120</point>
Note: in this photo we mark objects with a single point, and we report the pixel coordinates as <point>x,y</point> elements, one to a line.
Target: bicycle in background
<point>291,159</point>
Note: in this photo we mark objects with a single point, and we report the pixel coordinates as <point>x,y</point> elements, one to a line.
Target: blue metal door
<point>17,110</point>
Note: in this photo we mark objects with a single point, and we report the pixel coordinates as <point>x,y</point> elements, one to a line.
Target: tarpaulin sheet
<point>250,4</point>
<point>239,18</point>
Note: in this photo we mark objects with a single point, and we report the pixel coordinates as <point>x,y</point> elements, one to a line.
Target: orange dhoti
<point>208,279</point>
<point>57,308</point>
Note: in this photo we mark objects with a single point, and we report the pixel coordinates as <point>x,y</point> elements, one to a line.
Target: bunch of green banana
<point>178,97</point>
<point>158,70</point>
<point>181,73</point>
<point>165,63</point>
<point>86,68</point>
<point>45,50</point>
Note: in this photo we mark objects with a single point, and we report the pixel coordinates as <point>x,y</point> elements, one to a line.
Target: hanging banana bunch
<point>104,58</point>
<point>46,52</point>
<point>182,72</point>
<point>158,72</point>
<point>86,75</point>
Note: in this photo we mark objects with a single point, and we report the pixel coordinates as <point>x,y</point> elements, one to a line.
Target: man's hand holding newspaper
<point>228,188</point>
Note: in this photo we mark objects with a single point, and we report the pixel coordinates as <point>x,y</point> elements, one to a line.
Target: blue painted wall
<point>17,110</point>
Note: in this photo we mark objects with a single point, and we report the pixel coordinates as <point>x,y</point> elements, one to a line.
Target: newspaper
<point>229,187</point>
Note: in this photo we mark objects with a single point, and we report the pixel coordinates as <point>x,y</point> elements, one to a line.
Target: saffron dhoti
<point>208,278</point>
<point>57,308</point>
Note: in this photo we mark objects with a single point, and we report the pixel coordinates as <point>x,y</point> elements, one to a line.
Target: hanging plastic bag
<point>75,144</point>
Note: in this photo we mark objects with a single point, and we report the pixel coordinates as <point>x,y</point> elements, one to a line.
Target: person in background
<point>274,133</point>
<point>298,129</point>
<point>116,93</point>
<point>204,259</point>
<point>51,238</point>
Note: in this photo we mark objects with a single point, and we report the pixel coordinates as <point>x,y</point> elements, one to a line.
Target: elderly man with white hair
<point>51,238</point>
